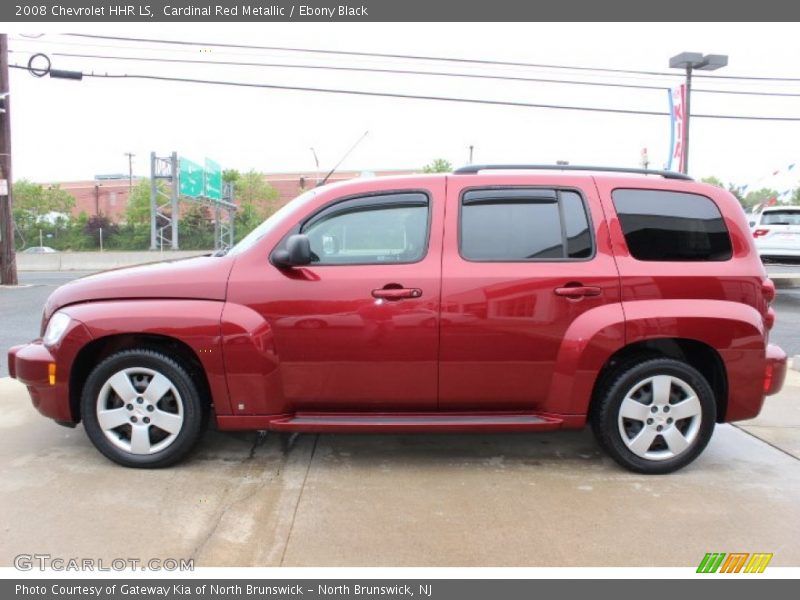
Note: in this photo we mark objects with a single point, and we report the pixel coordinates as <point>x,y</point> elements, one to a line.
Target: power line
<point>416,57</point>
<point>418,97</point>
<point>228,63</point>
<point>237,54</point>
<point>411,72</point>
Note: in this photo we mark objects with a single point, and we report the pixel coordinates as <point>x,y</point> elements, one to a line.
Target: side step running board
<point>421,422</point>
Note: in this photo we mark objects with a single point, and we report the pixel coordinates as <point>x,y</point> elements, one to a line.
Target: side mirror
<point>296,253</point>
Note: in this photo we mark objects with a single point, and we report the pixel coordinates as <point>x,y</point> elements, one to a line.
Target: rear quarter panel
<point>719,303</point>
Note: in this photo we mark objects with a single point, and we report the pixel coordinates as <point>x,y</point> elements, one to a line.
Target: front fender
<point>196,323</point>
<point>251,361</point>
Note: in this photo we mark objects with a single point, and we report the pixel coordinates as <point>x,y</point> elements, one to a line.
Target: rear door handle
<point>578,291</point>
<point>396,293</point>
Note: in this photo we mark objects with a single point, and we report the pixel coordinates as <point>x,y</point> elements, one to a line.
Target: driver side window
<point>385,229</point>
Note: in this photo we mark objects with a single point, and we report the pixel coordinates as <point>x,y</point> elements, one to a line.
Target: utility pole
<point>153,204</point>
<point>130,156</point>
<point>174,193</point>
<point>8,263</point>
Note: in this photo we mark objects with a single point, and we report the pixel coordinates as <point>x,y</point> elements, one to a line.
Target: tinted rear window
<point>780,217</point>
<point>672,226</point>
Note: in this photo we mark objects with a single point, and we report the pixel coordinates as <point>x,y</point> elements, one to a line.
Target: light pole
<point>690,61</point>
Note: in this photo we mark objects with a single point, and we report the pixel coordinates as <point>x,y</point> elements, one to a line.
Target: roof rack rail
<point>473,169</point>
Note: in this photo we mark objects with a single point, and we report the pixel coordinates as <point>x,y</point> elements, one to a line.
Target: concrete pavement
<point>779,421</point>
<point>399,500</point>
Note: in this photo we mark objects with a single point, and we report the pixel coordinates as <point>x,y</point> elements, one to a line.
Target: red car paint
<point>313,349</point>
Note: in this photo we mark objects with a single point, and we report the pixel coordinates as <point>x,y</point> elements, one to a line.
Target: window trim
<point>682,262</point>
<point>330,206</point>
<point>557,189</point>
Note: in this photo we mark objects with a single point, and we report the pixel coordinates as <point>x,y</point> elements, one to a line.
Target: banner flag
<point>677,111</point>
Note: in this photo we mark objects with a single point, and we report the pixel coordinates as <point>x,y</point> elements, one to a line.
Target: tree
<point>196,227</point>
<point>100,225</point>
<point>134,231</point>
<point>230,175</point>
<point>438,165</point>
<point>137,211</point>
<point>757,197</point>
<point>256,198</point>
<point>713,181</point>
<point>748,201</point>
<point>75,236</point>
<point>41,211</point>
<point>34,204</point>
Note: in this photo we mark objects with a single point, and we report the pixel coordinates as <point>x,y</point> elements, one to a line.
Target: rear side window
<point>522,224</point>
<point>672,226</point>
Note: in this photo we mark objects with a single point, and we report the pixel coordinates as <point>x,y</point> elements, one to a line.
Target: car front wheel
<point>654,416</point>
<point>141,409</point>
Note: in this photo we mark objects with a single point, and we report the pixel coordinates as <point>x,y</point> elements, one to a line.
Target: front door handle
<point>396,293</point>
<point>578,291</point>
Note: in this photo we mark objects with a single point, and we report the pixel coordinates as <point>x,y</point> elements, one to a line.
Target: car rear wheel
<point>141,409</point>
<point>654,416</point>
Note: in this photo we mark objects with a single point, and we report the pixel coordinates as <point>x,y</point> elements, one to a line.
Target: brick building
<point>110,196</point>
<point>107,196</point>
<point>290,185</point>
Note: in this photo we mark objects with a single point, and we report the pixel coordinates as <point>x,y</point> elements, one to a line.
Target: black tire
<point>617,434</point>
<point>182,400</point>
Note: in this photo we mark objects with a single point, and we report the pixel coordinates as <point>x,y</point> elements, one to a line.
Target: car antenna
<point>346,154</point>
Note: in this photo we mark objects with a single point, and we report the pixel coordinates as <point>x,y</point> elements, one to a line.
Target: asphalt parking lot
<point>548,499</point>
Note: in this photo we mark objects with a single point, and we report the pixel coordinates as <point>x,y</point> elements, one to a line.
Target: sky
<point>66,130</point>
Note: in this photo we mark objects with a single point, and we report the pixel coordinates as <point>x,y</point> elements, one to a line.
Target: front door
<point>358,328</point>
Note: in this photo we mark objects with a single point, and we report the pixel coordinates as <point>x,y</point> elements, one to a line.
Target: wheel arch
<point>695,353</point>
<point>99,349</point>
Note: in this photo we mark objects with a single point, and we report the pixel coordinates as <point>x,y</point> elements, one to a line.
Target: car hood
<point>201,278</point>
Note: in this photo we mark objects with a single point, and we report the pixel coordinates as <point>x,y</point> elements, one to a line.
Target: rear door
<point>523,258</point>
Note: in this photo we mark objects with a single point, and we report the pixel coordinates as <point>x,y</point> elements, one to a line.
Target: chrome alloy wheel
<point>660,417</point>
<point>140,410</point>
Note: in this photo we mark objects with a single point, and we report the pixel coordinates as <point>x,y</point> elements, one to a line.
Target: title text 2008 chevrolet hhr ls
<point>513,299</point>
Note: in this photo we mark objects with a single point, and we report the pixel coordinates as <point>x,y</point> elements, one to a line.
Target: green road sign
<point>190,179</point>
<point>213,180</point>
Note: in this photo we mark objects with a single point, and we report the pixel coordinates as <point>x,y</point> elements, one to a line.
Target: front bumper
<point>30,364</point>
<point>46,373</point>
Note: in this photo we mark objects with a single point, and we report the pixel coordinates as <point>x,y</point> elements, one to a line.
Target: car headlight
<point>56,328</point>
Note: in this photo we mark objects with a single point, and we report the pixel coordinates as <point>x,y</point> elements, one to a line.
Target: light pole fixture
<point>691,61</point>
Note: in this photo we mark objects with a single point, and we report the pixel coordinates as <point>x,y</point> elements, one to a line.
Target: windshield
<point>272,221</point>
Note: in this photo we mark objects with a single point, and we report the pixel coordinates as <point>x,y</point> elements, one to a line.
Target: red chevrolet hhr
<point>506,298</point>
